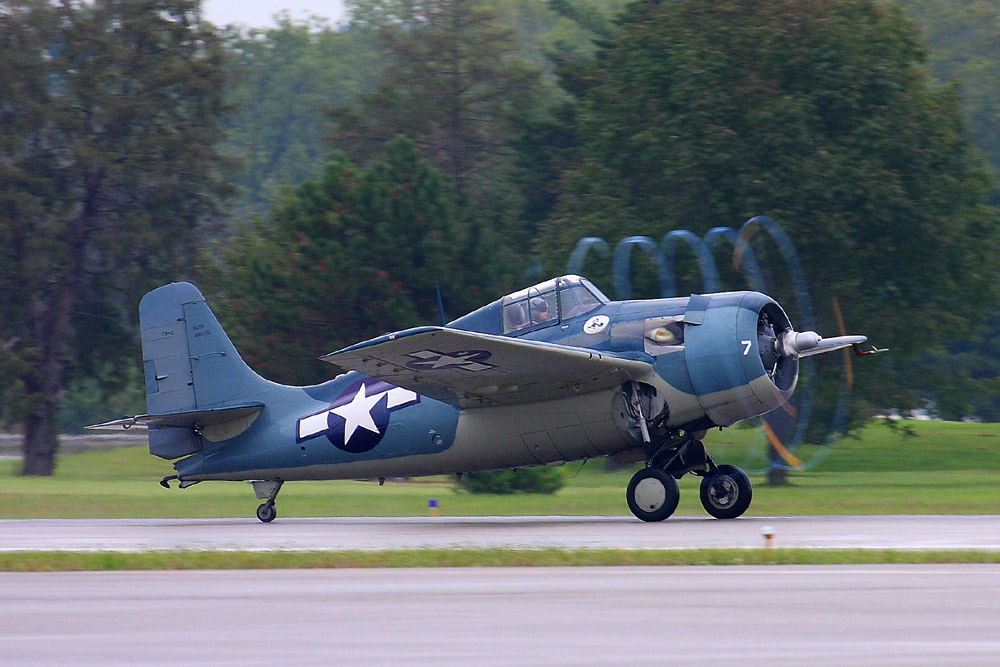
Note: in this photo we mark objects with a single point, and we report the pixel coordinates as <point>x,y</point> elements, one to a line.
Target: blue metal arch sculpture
<point>706,263</point>
<point>582,249</point>
<point>746,262</point>
<point>743,255</point>
<point>623,265</point>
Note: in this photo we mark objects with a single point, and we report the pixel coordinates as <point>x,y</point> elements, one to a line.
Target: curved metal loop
<point>745,260</point>
<point>791,257</point>
<point>808,376</point>
<point>706,263</point>
<point>623,265</point>
<point>582,249</point>
<point>743,256</point>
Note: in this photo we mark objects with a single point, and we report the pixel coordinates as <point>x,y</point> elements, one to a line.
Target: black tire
<point>652,494</point>
<point>728,494</point>
<point>266,512</point>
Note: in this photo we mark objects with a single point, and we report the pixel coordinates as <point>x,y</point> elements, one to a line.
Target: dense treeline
<point>108,161</point>
<point>332,175</point>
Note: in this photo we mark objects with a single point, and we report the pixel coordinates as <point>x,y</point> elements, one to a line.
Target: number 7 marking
<point>746,350</point>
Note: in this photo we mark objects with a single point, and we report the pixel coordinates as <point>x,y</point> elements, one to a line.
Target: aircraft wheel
<point>728,494</point>
<point>652,494</point>
<point>266,512</point>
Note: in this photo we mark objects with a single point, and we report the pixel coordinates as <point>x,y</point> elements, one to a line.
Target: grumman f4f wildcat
<point>556,372</point>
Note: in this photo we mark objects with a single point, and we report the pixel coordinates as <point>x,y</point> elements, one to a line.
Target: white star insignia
<point>445,360</point>
<point>438,360</point>
<point>358,413</point>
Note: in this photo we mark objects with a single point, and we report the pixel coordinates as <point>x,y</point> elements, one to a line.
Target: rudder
<point>189,363</point>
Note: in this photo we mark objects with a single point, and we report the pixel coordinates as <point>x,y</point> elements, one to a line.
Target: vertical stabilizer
<point>189,364</point>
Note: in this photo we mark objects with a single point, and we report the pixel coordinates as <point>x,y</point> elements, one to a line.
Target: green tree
<point>540,479</point>
<point>284,82</point>
<point>544,136</point>
<point>819,114</point>
<point>348,255</point>
<point>453,77</point>
<point>963,44</point>
<point>455,80</point>
<point>108,122</point>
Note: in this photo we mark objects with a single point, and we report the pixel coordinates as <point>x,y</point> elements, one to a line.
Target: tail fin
<point>189,364</point>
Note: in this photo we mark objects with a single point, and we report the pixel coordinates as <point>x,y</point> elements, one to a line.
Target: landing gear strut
<point>267,489</point>
<point>652,493</point>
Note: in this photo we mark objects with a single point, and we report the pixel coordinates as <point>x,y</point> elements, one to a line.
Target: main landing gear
<point>267,489</point>
<point>652,493</point>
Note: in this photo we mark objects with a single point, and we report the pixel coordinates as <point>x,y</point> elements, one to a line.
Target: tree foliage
<point>452,80</point>
<point>963,45</point>
<point>819,114</point>
<point>108,127</point>
<point>540,479</point>
<point>284,81</point>
<point>349,255</point>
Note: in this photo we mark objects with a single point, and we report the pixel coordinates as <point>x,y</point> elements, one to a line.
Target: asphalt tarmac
<point>586,532</point>
<point>776,615</point>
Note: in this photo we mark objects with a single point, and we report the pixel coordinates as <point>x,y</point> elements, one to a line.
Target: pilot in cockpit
<point>539,310</point>
<point>515,317</point>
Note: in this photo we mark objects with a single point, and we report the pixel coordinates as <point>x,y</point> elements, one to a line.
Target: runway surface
<point>307,534</point>
<point>777,615</point>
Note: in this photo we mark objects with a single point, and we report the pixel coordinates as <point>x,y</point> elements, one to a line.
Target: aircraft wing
<point>468,369</point>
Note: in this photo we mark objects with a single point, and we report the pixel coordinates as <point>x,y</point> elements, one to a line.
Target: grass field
<point>945,468</point>
<point>61,561</point>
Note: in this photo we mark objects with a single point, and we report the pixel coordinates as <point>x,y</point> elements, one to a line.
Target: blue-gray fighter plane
<point>556,372</point>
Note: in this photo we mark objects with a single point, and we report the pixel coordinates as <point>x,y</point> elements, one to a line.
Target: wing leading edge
<point>468,369</point>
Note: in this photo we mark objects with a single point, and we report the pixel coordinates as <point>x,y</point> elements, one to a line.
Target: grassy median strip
<point>69,561</point>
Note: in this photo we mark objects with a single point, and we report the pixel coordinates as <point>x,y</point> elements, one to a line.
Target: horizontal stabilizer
<point>195,419</point>
<point>468,369</point>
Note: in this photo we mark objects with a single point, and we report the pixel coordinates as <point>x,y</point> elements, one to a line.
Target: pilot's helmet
<point>515,315</point>
<point>538,304</point>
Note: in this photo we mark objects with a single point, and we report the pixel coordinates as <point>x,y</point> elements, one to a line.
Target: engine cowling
<point>740,353</point>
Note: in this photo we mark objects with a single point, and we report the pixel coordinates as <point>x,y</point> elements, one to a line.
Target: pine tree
<point>348,255</point>
<point>108,122</point>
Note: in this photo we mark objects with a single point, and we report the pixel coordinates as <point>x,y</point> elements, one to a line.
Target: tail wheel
<point>652,494</point>
<point>726,495</point>
<point>266,512</point>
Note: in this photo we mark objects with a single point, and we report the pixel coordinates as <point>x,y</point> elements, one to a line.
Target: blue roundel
<point>358,418</point>
<point>357,424</point>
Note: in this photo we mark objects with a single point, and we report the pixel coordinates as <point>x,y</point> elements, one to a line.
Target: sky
<point>259,13</point>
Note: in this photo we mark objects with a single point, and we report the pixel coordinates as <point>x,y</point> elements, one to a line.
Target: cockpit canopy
<point>537,306</point>
<point>549,302</point>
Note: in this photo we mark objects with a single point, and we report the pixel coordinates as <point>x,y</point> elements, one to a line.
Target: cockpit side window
<point>663,335</point>
<point>514,317</point>
<point>542,308</point>
<point>535,309</point>
<point>549,302</point>
<point>577,300</point>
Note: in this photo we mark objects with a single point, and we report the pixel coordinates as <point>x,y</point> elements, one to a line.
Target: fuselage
<point>551,373</point>
<point>706,370</point>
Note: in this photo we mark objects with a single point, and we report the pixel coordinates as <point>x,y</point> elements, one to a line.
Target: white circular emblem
<point>596,324</point>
